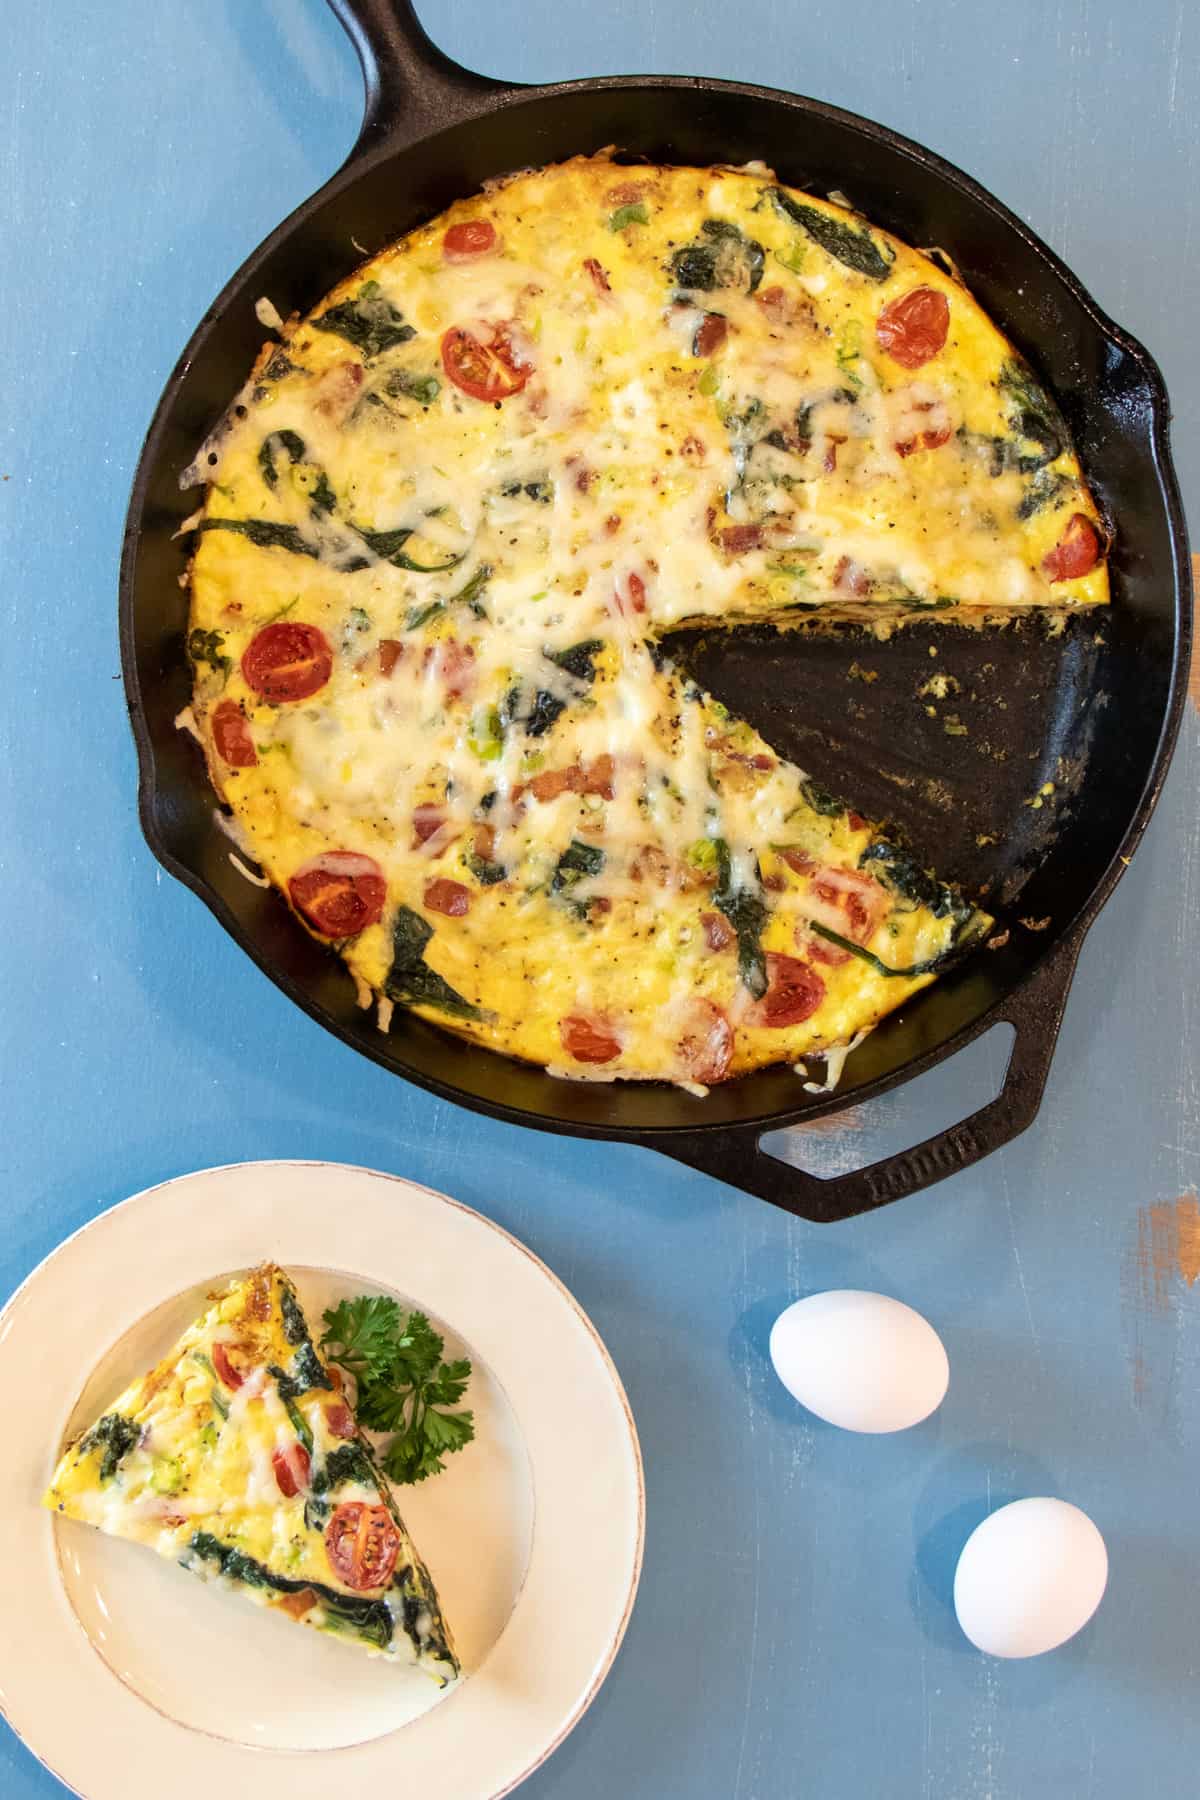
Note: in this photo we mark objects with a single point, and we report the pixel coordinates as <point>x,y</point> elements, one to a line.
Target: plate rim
<point>583,1700</point>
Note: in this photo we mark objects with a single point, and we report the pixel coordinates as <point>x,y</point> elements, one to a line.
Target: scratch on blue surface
<point>1012,1232</point>
<point>753,1463</point>
<point>926,1777</point>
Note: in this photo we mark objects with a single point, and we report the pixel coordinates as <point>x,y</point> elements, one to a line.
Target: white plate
<point>129,1678</point>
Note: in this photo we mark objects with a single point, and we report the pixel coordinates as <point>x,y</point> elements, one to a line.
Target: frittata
<point>238,1457</point>
<point>451,517</point>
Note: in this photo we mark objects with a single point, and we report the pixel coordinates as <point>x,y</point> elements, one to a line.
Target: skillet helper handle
<point>1035,1012</point>
<point>413,89</point>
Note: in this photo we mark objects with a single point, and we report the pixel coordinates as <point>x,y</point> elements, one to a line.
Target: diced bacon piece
<point>450,898</point>
<point>337,390</point>
<point>453,666</point>
<point>599,278</point>
<point>738,540</point>
<point>589,1038</point>
<point>850,577</point>
<point>718,932</point>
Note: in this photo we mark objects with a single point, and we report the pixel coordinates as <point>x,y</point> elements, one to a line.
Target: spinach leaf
<point>695,268</point>
<point>369,321</point>
<point>267,534</point>
<point>857,249</point>
<point>421,615</point>
<point>747,913</point>
<point>292,446</point>
<point>743,907</point>
<point>542,714</point>
<point>369,1618</point>
<point>579,659</point>
<point>904,878</point>
<point>821,801</point>
<point>349,1462</point>
<point>469,593</point>
<point>410,934</point>
<point>307,1372</point>
<point>389,546</point>
<point>411,979</point>
<point>486,873</point>
<point>321,496</point>
<point>1002,453</point>
<point>1032,414</point>
<point>576,863</point>
<point>869,956</point>
<point>541,490</point>
<point>423,986</point>
<point>209,647</point>
<point>116,1436</point>
<point>721,257</point>
<point>405,383</point>
<point>1045,487</point>
<point>739,258</point>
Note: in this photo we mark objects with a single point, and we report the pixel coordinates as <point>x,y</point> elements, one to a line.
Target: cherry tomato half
<point>231,735</point>
<point>362,1544</point>
<point>1077,551</point>
<point>287,661</point>
<point>794,992</point>
<point>487,371</point>
<point>913,329</point>
<point>340,892</point>
<point>474,237</point>
<point>227,1370</point>
<point>291,1468</point>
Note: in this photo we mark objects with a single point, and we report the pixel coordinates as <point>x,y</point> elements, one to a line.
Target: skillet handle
<point>413,89</point>
<point>1035,1012</point>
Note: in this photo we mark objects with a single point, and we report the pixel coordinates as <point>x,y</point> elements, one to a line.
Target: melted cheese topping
<point>570,414</point>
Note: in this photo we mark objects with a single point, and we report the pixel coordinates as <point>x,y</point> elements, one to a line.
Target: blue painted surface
<point>793,1634</point>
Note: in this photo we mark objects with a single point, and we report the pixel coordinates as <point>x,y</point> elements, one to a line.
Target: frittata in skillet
<point>238,1458</point>
<point>446,526</point>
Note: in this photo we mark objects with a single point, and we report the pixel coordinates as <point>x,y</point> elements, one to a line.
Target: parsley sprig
<point>404,1387</point>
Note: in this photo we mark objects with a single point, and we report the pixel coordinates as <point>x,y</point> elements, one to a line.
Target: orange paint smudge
<point>1161,1263</point>
<point>1168,1245</point>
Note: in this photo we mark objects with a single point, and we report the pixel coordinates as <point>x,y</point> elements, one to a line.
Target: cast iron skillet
<point>1094,711</point>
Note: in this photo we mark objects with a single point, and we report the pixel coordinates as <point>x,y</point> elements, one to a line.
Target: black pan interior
<point>1090,711</point>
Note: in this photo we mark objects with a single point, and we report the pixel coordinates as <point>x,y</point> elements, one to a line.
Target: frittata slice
<point>238,1457</point>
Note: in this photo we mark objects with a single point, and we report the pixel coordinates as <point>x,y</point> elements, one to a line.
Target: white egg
<point>1029,1577</point>
<point>861,1361</point>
